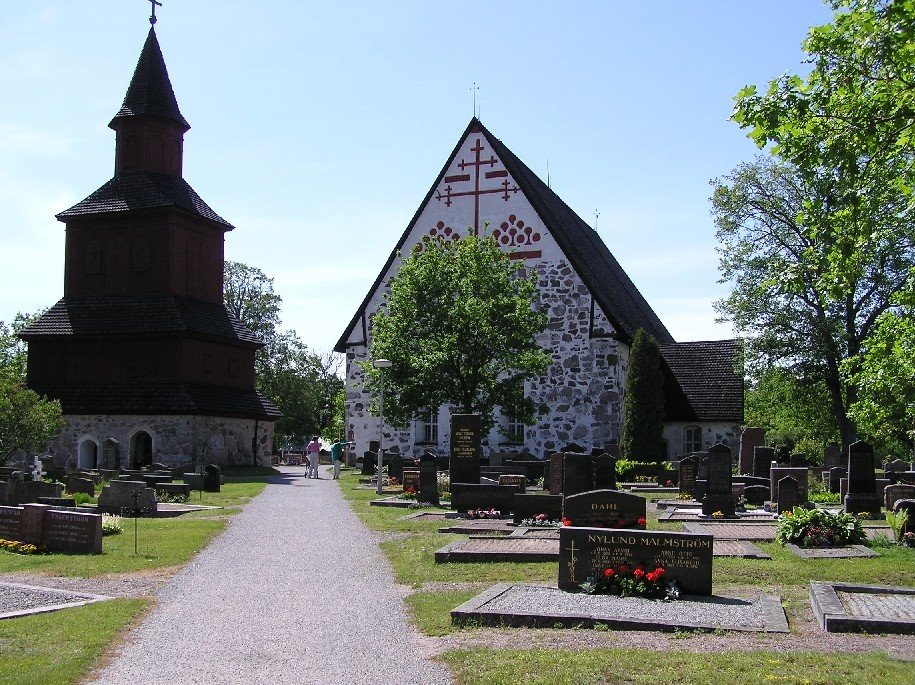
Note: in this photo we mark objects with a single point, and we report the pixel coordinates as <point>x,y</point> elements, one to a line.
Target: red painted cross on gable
<point>450,193</point>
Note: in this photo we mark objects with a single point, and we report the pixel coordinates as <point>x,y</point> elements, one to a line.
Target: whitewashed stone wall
<point>175,439</point>
<point>712,433</point>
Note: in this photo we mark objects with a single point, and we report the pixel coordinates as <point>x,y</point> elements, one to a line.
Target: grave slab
<point>537,606</point>
<point>731,531</point>
<point>488,549</point>
<point>17,599</point>
<point>843,552</point>
<point>478,527</point>
<point>848,608</point>
<point>737,548</point>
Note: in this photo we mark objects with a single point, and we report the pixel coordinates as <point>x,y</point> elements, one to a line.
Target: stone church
<point>594,312</point>
<point>146,361</point>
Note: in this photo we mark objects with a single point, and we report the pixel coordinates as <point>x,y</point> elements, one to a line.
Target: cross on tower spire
<point>152,17</point>
<point>473,89</point>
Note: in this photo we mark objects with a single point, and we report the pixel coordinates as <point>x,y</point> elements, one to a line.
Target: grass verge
<point>637,666</point>
<point>59,647</point>
<point>431,611</point>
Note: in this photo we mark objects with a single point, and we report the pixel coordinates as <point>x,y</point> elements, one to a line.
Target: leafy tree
<point>808,283</point>
<point>302,384</point>
<point>643,407</point>
<point>885,374</point>
<point>27,420</point>
<point>846,130</point>
<point>460,326</point>
<point>794,411</point>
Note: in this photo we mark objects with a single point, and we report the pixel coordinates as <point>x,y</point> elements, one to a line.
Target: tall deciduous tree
<point>302,384</point>
<point>27,420</point>
<point>460,325</point>
<point>643,407</point>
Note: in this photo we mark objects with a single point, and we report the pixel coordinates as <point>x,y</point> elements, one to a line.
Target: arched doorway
<point>87,456</point>
<point>141,449</point>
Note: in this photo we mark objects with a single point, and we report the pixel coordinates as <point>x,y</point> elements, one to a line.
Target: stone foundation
<point>176,440</point>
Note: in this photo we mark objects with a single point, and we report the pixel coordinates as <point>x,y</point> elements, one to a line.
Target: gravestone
<point>555,474</point>
<point>798,473</point>
<point>573,448</point>
<point>750,439</point>
<point>756,494</point>
<point>689,469</point>
<point>193,480</point>
<point>72,532</point>
<point>496,458</point>
<point>896,465</point>
<point>836,473</point>
<point>832,455</point>
<point>428,480</point>
<point>471,496</point>
<point>718,493</point>
<point>788,494</point>
<point>118,498</point>
<point>604,467</point>
<point>111,454</point>
<point>411,480</point>
<point>31,523</point>
<point>798,461</point>
<point>605,509</point>
<point>894,493</point>
<point>395,467</point>
<point>212,478</point>
<point>369,463</point>
<point>862,481</point>
<point>10,518</point>
<point>585,553</point>
<point>514,479</point>
<point>173,489</point>
<point>907,505</point>
<point>465,448</point>
<point>762,461</point>
<point>577,474</point>
<point>84,485</point>
<point>525,506</point>
<point>20,492</point>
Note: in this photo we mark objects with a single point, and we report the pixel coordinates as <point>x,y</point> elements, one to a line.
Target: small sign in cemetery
<point>465,448</point>
<point>57,531</point>
<point>585,552</point>
<point>605,509</point>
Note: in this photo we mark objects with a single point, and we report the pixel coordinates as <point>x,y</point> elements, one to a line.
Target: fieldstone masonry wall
<point>175,439</point>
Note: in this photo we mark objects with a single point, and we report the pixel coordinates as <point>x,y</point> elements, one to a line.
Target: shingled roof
<point>144,190</point>
<point>703,381</point>
<point>611,287</point>
<point>150,92</point>
<point>150,397</point>
<point>139,314</point>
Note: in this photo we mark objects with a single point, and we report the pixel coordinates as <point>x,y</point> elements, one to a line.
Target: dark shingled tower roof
<point>150,92</point>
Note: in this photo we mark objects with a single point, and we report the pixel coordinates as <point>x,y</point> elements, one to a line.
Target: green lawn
<point>59,647</point>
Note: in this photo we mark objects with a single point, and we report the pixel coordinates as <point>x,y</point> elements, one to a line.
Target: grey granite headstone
<point>894,493</point>
<point>118,497</point>
<point>800,474</point>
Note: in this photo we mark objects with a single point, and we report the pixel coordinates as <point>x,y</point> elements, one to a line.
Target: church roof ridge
<point>617,295</point>
<point>150,92</point>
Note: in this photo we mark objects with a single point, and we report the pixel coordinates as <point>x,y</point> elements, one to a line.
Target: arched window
<point>87,455</point>
<point>141,449</point>
<point>692,439</point>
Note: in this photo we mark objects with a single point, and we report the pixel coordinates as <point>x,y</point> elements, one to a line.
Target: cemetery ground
<point>74,640</point>
<point>479,655</point>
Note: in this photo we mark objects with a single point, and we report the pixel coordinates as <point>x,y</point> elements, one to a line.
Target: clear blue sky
<point>317,128</point>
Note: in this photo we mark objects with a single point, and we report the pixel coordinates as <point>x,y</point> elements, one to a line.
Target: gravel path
<point>295,591</point>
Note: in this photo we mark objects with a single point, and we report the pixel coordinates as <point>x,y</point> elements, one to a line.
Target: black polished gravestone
<point>577,473</point>
<point>836,474</point>
<point>762,461</point>
<point>605,509</point>
<point>471,496</point>
<point>369,463</point>
<point>862,493</point>
<point>466,451</point>
<point>585,553</point>
<point>395,467</point>
<point>756,494</point>
<point>518,479</point>
<point>212,478</point>
<point>604,467</point>
<point>832,455</point>
<point>689,469</point>
<point>428,480</point>
<point>526,506</point>
<point>555,474</point>
<point>719,495</point>
<point>788,495</point>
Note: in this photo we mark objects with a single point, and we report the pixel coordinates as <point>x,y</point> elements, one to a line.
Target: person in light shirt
<point>313,450</point>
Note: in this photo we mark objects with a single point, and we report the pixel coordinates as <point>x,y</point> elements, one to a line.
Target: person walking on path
<point>313,452</point>
<point>336,455</point>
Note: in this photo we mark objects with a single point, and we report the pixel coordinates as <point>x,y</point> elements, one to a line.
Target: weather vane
<point>474,90</point>
<point>152,17</point>
<point>596,214</point>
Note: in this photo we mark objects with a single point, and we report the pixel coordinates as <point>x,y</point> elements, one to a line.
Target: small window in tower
<point>427,428</point>
<point>692,439</point>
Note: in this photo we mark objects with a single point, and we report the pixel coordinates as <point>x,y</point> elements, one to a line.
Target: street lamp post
<point>381,365</point>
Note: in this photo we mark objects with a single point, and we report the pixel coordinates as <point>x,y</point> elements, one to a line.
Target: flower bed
<point>541,521</point>
<point>819,528</point>
<point>625,581</point>
<point>484,514</point>
<point>17,547</point>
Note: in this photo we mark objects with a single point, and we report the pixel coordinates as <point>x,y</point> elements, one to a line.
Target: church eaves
<point>150,92</point>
